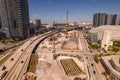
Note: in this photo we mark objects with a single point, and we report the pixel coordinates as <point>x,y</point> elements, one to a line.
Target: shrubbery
<point>94,45</point>
<point>96,58</point>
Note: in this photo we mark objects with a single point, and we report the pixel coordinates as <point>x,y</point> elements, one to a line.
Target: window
<point>15,25</point>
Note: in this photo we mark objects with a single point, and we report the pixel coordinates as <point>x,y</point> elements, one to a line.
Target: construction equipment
<point>67,25</point>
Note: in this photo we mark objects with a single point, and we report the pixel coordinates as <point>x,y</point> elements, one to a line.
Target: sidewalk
<point>101,69</point>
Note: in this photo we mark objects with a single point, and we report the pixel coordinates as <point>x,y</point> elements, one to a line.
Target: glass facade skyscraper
<point>99,19</point>
<point>105,19</point>
<point>15,17</point>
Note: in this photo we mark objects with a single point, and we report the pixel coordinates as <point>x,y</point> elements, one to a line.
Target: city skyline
<point>79,10</point>
<point>73,48</point>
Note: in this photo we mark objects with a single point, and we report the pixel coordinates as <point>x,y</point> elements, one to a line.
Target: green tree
<point>94,46</point>
<point>96,58</point>
<point>115,48</point>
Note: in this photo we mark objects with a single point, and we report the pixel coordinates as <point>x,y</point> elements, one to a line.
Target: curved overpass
<point>18,66</point>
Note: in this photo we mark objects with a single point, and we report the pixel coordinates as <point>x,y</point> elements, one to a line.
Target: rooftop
<point>113,64</point>
<point>113,29</point>
<point>106,27</point>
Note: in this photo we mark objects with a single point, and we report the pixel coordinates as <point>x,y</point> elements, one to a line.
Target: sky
<point>79,10</point>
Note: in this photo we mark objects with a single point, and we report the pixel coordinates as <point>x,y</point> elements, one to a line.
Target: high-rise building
<point>110,19</point>
<point>15,17</point>
<point>75,24</point>
<point>32,29</point>
<point>95,20</point>
<point>99,19</point>
<point>0,22</point>
<point>106,19</point>
<point>38,23</point>
<point>117,20</point>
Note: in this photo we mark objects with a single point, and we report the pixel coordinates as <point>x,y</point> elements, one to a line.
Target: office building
<point>0,22</point>
<point>15,18</point>
<point>93,37</point>
<point>32,29</point>
<point>38,23</point>
<point>75,24</point>
<point>110,19</point>
<point>100,19</point>
<point>105,35</point>
<point>117,19</point>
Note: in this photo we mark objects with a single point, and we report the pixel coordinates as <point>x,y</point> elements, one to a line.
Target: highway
<point>18,66</point>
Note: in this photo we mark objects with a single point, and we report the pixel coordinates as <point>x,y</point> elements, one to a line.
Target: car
<point>12,59</point>
<point>86,57</point>
<point>91,51</point>
<point>22,61</point>
<point>91,64</point>
<point>94,72</point>
<point>3,68</point>
<point>21,49</point>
